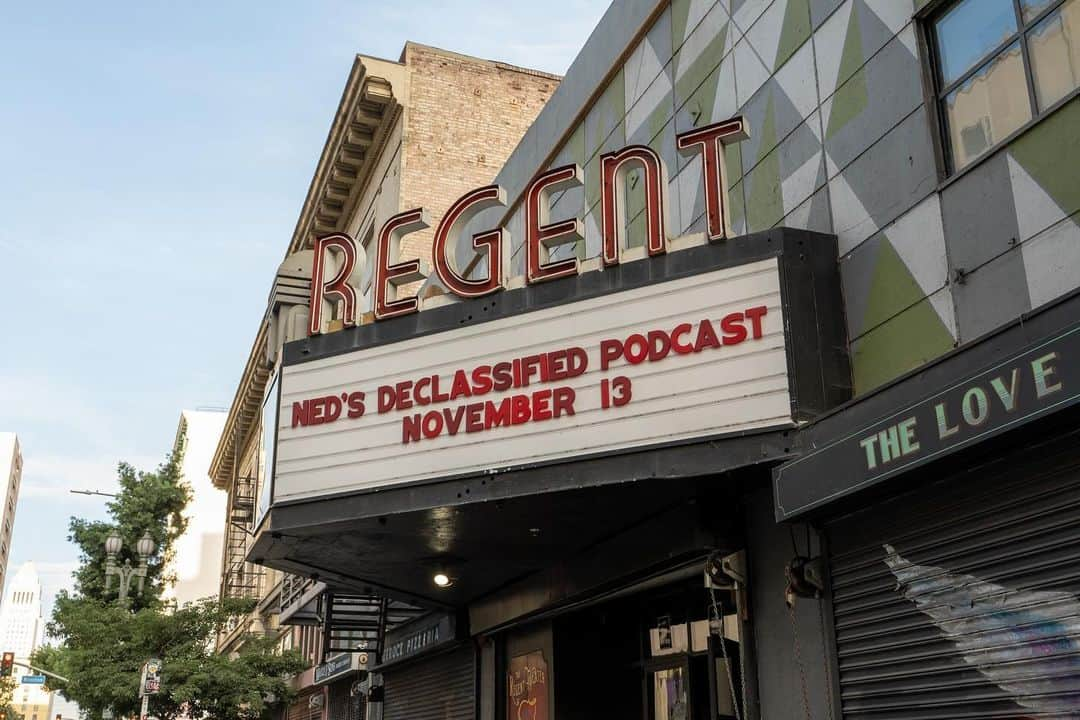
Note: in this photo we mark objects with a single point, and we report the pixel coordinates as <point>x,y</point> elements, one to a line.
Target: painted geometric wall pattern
<point>841,142</point>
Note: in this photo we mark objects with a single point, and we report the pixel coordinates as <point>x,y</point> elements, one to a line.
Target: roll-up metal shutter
<point>962,599</point>
<point>304,708</point>
<point>439,688</point>
<point>342,704</point>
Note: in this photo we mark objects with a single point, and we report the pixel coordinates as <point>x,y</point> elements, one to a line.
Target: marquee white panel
<point>678,398</point>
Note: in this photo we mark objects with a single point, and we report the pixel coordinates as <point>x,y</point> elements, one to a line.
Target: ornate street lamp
<point>113,545</point>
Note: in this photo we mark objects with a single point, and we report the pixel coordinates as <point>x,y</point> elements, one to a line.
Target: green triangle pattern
<point>1050,152</point>
<point>848,103</point>
<point>851,57</point>
<point>689,78</point>
<point>912,338</point>
<point>736,204</point>
<point>794,32</point>
<point>611,104</point>
<point>680,16</point>
<point>851,97</point>
<point>733,162</point>
<point>892,288</point>
<point>765,206</point>
<point>576,144</point>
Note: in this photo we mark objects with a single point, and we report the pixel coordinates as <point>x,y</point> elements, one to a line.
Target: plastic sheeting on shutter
<point>962,599</point>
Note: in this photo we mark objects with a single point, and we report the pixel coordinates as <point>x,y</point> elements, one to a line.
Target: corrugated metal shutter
<point>962,599</point>
<point>341,704</point>
<point>301,708</point>
<point>439,688</point>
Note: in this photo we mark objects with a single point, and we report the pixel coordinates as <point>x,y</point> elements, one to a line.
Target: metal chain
<point>828,664</point>
<point>727,661</point>
<point>799,661</point>
<point>742,679</point>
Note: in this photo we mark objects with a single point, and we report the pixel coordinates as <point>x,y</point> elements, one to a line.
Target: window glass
<point>988,106</point>
<point>1032,8</point>
<point>1054,45</point>
<point>969,31</point>
<point>669,695</point>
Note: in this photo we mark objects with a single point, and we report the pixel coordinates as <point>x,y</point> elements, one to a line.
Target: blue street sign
<point>33,679</point>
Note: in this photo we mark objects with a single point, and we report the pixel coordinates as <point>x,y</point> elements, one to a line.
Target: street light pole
<point>124,573</point>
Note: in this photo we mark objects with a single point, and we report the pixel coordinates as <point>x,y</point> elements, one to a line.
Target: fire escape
<point>242,580</point>
<point>349,622</point>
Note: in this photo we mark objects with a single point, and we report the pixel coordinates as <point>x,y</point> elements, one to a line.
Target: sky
<point>154,157</point>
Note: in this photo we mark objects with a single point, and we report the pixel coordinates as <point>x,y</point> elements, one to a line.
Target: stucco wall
<point>197,553</point>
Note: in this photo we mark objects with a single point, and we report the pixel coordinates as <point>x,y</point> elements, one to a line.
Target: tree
<point>7,696</point>
<point>102,646</point>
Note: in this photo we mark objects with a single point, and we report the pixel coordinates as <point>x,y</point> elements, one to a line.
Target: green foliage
<point>147,501</point>
<point>103,645</point>
<point>7,694</point>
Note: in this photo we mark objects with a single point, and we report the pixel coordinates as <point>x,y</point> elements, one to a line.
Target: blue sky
<point>154,159</point>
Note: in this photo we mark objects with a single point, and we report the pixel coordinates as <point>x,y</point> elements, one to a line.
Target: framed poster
<point>527,687</point>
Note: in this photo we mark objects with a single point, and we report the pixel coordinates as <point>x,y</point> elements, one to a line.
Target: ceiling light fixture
<point>442,580</point>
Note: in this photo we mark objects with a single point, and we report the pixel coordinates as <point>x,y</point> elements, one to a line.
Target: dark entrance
<point>655,655</point>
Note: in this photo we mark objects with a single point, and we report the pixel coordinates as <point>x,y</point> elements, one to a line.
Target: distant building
<point>63,708</point>
<point>197,562</point>
<point>22,629</point>
<point>11,476</point>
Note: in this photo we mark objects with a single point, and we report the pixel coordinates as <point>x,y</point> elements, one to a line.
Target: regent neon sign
<point>334,280</point>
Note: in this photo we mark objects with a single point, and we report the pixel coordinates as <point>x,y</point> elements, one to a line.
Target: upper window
<point>1000,63</point>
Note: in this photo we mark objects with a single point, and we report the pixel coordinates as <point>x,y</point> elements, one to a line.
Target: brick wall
<point>464,117</point>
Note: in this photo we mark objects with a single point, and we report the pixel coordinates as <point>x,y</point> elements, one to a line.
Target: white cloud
<point>45,475</point>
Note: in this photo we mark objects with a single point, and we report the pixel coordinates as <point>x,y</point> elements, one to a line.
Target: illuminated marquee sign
<point>512,378</point>
<point>338,260</point>
<point>678,360</point>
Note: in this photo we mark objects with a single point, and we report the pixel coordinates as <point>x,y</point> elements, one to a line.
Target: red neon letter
<point>613,182</point>
<point>336,289</point>
<point>710,141</point>
<point>387,303</point>
<point>541,234</point>
<point>486,243</point>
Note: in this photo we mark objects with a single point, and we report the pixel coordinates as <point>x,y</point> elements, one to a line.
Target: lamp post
<point>113,544</point>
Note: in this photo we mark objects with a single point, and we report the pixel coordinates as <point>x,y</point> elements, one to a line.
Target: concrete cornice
<point>370,105</point>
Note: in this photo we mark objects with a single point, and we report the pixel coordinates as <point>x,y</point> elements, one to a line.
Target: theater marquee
<point>672,361</point>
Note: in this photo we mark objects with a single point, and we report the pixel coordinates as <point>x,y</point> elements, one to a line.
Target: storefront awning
<point>487,532</point>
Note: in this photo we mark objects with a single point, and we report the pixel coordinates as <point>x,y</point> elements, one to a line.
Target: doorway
<point>658,655</point>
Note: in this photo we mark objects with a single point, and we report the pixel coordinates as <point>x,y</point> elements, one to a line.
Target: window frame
<point>935,91</point>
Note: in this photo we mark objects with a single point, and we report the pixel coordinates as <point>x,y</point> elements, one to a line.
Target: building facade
<point>22,629</point>
<point>416,132</point>
<point>197,556</point>
<point>11,463</point>
<point>64,709</point>
<point>762,405</point>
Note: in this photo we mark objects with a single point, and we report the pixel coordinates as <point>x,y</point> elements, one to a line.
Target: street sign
<point>151,678</point>
<point>33,679</point>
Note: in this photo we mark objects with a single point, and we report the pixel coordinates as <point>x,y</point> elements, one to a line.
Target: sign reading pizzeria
<point>527,687</point>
